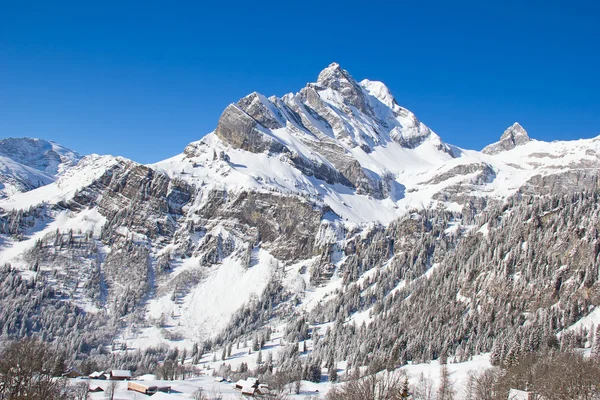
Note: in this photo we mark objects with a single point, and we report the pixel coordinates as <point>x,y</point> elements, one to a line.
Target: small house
<point>247,383</point>
<point>97,375</point>
<point>72,373</point>
<point>249,390</point>
<point>141,387</point>
<point>239,385</point>
<point>262,390</point>
<point>95,389</point>
<point>120,375</point>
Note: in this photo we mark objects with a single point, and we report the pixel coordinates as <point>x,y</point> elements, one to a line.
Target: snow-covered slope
<point>27,163</point>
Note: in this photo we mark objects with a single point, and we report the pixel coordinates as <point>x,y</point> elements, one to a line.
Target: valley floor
<point>184,389</point>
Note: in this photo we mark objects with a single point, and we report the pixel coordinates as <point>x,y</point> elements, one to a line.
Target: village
<point>121,384</point>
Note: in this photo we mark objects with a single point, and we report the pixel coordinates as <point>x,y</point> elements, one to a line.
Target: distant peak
<point>515,135</point>
<point>515,132</point>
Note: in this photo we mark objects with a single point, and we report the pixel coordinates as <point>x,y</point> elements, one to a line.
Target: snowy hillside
<point>29,163</point>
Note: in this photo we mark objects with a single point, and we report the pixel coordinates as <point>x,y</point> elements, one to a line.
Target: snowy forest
<point>506,282</point>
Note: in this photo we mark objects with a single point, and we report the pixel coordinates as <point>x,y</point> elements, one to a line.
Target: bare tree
<point>80,390</point>
<point>199,394</point>
<point>423,390</point>
<point>26,372</point>
<point>383,386</point>
<point>446,386</point>
<point>111,389</point>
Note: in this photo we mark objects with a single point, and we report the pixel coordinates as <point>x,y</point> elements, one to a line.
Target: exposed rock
<point>335,78</point>
<point>512,137</point>
<point>240,130</point>
<point>255,106</point>
<point>286,224</point>
<point>563,182</point>
<point>486,174</point>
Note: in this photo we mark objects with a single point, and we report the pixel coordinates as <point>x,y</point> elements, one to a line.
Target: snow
<point>589,322</point>
<point>409,171</point>
<point>27,163</point>
<point>86,220</point>
<point>365,137</point>
<point>208,307</point>
<point>84,174</point>
<point>458,372</point>
<point>484,229</point>
<point>45,156</point>
<point>430,271</point>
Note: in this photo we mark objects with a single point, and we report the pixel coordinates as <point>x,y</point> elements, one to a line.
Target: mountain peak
<point>334,76</point>
<point>515,135</point>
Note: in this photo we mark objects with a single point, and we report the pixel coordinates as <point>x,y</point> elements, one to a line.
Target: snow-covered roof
<point>122,373</point>
<point>248,389</point>
<point>241,383</point>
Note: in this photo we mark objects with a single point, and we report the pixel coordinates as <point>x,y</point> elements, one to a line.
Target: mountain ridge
<point>27,163</point>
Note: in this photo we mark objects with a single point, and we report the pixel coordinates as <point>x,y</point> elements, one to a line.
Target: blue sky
<point>143,79</point>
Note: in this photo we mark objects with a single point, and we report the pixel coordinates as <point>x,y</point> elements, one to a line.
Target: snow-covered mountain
<point>350,146</point>
<point>27,163</point>
<point>333,203</point>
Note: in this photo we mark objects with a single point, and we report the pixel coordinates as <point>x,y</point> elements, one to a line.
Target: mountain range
<point>333,205</point>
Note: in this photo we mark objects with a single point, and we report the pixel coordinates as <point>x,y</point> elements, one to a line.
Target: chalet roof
<point>72,371</point>
<point>121,373</point>
<point>248,389</point>
<point>241,383</point>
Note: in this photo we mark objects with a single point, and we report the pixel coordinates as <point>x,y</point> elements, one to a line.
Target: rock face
<point>338,80</point>
<point>320,128</point>
<point>512,137</point>
<point>284,225</point>
<point>241,131</point>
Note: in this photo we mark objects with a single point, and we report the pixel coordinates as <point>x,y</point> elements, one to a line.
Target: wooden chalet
<point>120,375</point>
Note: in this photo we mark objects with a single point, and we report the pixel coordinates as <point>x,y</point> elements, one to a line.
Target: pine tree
<point>404,393</point>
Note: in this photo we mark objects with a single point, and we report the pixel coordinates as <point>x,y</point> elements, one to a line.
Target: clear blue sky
<point>143,79</point>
